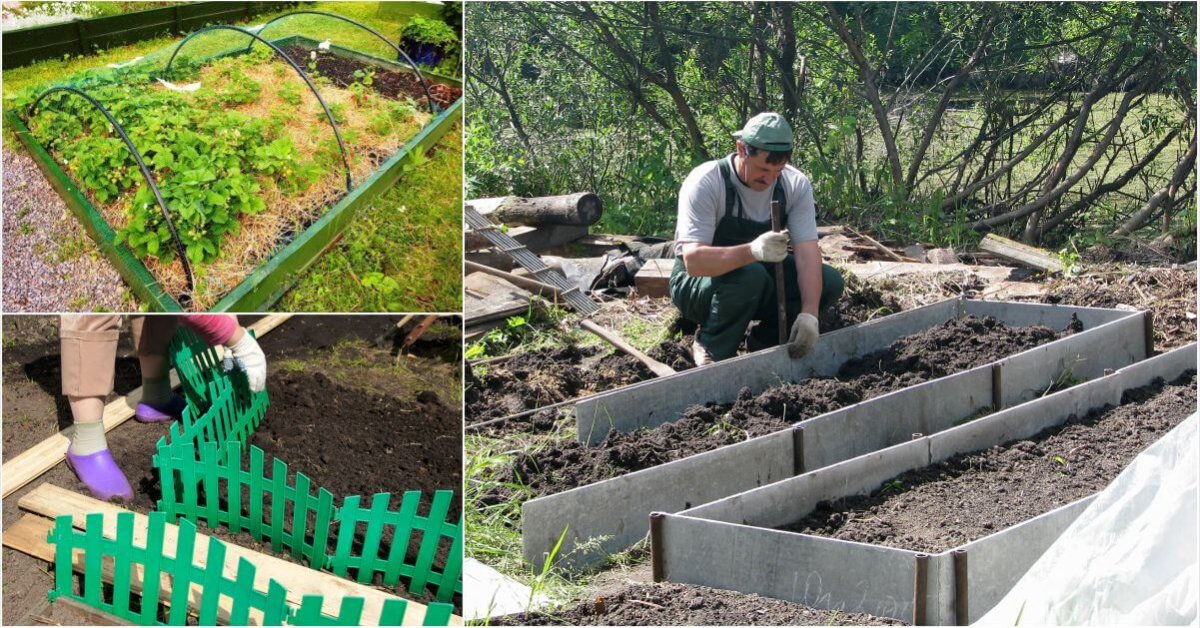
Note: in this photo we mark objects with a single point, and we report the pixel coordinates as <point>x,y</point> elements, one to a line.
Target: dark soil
<point>547,376</point>
<point>1169,292</point>
<point>954,346</point>
<point>389,83</point>
<point>972,495</point>
<point>860,302</point>
<point>670,604</point>
<point>339,414</point>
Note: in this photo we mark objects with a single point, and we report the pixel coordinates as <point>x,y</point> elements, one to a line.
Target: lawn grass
<point>402,253</point>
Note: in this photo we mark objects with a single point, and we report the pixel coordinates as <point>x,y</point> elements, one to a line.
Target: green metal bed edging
<point>247,601</point>
<point>201,473</point>
<point>267,283</point>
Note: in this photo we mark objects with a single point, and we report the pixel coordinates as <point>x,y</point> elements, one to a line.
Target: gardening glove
<point>770,247</point>
<point>804,335</point>
<point>248,356</point>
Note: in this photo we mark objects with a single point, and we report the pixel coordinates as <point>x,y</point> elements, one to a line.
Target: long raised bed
<point>730,543</point>
<point>270,280</point>
<point>610,516</point>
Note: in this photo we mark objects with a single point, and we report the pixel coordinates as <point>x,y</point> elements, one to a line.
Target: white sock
<point>88,438</point>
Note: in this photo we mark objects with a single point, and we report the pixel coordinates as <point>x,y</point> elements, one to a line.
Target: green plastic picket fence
<point>268,607</point>
<point>205,477</point>
<point>187,579</point>
<point>209,483</point>
<point>404,524</point>
<point>350,613</point>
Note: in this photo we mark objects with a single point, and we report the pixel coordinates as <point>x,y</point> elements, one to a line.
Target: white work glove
<point>804,335</point>
<point>770,247</point>
<point>248,356</point>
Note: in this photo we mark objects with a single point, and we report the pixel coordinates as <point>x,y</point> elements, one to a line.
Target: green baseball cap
<point>768,131</point>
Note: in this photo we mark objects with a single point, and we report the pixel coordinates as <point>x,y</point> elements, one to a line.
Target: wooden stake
<point>780,288</point>
<point>27,466</point>
<point>658,368</point>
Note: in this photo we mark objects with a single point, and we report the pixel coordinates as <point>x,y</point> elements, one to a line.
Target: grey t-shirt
<point>702,204</point>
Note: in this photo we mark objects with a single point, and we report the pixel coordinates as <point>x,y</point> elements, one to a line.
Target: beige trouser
<point>89,355</point>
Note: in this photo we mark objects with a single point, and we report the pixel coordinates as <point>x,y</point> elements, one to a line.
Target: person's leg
<point>152,338</point>
<point>766,333</point>
<point>88,351</point>
<point>723,306</point>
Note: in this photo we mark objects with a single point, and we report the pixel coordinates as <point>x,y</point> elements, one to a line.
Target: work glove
<point>804,335</point>
<point>248,356</point>
<point>770,247</point>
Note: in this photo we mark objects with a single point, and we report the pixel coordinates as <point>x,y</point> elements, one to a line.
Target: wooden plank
<point>1021,253</point>
<point>490,298</point>
<point>67,612</point>
<point>880,270</point>
<point>52,501</point>
<point>40,458</point>
<point>28,536</point>
<point>652,278</point>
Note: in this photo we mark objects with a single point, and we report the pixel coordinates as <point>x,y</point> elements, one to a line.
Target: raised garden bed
<point>671,604</point>
<point>251,171</point>
<point>899,551</point>
<point>601,495</point>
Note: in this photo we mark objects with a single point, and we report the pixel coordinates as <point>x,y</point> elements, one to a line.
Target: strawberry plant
<point>213,155</point>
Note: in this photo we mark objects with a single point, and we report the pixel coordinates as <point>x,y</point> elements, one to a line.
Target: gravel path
<point>50,262</point>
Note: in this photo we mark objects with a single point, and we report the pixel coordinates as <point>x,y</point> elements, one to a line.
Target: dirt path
<point>337,407</point>
<point>955,346</point>
<point>972,495</point>
<point>50,263</point>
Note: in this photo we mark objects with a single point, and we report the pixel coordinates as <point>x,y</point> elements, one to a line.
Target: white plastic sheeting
<point>489,593</point>
<point>1130,558</point>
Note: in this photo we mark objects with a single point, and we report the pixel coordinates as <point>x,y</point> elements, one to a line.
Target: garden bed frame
<point>611,514</point>
<point>730,543</point>
<point>275,276</point>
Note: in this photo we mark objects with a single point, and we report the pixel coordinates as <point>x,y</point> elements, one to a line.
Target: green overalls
<point>725,305</point>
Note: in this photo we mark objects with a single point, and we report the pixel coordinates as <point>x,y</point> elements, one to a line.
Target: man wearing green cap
<point>725,251</point>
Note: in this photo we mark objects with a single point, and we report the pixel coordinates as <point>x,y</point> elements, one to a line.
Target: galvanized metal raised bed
<point>611,515</point>
<point>275,276</point>
<point>731,544</point>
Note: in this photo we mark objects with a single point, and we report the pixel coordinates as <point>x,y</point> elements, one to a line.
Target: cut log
<point>652,279</point>
<point>31,463</point>
<point>52,501</point>
<point>1021,253</point>
<point>581,209</point>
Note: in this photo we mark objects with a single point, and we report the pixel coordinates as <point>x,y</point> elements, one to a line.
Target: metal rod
<point>186,299</point>
<point>657,570</point>
<point>1149,318</point>
<point>504,419</point>
<point>997,387</point>
<point>920,589</point>
<point>961,594</point>
<point>797,450</point>
<point>400,54</point>
<point>328,115</point>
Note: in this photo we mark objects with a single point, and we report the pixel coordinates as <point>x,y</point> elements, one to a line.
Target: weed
<point>894,485</point>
